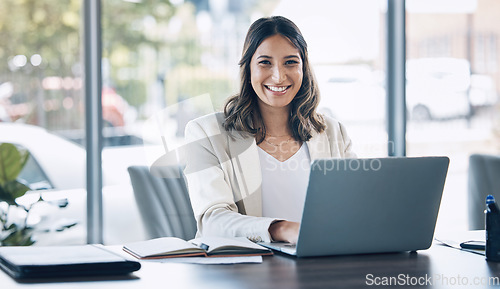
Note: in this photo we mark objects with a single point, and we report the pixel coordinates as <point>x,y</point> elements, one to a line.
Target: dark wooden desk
<point>444,267</point>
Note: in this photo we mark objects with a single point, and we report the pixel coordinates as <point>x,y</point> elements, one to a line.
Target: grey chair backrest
<point>484,179</point>
<point>163,201</point>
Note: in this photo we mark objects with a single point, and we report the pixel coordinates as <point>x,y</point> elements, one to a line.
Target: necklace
<point>277,135</point>
<point>280,144</point>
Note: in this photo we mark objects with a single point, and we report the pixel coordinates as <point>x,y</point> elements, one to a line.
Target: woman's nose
<point>278,74</point>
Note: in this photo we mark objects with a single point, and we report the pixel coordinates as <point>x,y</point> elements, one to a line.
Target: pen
<point>204,246</point>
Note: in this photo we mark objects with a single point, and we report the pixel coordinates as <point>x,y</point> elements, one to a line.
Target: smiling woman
<point>236,187</point>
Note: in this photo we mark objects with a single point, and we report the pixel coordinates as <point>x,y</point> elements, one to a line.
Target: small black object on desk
<point>492,214</point>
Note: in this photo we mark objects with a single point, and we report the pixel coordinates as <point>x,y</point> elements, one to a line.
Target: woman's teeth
<point>277,88</point>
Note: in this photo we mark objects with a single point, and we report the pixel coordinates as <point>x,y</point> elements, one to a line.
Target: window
<point>167,62</point>
<point>452,82</point>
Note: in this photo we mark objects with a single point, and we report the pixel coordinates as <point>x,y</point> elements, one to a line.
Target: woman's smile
<point>280,89</point>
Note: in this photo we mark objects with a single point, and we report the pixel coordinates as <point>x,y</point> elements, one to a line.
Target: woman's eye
<point>265,62</point>
<point>291,62</point>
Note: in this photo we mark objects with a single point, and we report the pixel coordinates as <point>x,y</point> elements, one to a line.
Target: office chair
<point>484,179</point>
<point>163,201</point>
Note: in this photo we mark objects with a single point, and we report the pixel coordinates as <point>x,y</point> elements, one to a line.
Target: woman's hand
<point>285,231</point>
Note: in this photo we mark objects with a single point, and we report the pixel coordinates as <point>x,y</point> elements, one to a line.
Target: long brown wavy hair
<point>242,111</point>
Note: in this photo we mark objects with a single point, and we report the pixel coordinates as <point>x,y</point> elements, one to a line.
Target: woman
<point>239,166</point>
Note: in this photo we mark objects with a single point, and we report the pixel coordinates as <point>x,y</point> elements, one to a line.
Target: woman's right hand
<point>285,231</point>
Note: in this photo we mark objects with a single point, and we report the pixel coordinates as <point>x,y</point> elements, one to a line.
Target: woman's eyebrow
<point>286,57</point>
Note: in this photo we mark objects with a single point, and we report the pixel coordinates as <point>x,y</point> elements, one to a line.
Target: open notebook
<point>170,247</point>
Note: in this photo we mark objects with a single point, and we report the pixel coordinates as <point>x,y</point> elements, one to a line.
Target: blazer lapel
<point>319,146</point>
<point>246,165</point>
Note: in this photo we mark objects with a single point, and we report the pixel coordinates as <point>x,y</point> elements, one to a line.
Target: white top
<point>284,184</point>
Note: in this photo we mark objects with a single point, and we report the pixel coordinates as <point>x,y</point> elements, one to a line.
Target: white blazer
<point>224,175</point>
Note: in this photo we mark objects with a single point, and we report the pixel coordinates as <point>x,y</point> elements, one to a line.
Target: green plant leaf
<point>67,226</point>
<point>7,197</point>
<point>12,227</point>
<point>11,162</point>
<point>16,189</point>
<point>21,237</point>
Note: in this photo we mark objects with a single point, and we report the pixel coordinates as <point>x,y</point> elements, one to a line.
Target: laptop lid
<point>356,206</point>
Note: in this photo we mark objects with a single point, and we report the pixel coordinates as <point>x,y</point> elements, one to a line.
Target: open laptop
<point>360,206</point>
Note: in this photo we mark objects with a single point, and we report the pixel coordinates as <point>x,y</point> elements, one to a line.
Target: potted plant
<point>15,230</point>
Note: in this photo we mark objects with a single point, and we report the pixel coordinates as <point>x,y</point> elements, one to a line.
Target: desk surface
<point>443,267</point>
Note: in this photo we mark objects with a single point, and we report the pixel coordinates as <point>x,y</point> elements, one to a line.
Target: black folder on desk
<point>63,261</point>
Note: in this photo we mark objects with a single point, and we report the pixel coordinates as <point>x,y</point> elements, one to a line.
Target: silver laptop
<point>360,206</point>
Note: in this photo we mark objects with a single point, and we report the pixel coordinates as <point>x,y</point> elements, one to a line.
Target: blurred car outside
<point>437,88</point>
<point>115,109</point>
<point>57,170</point>
<point>483,90</point>
<point>6,90</point>
<point>351,93</point>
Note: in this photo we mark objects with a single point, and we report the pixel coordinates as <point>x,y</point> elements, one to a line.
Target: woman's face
<point>276,72</point>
